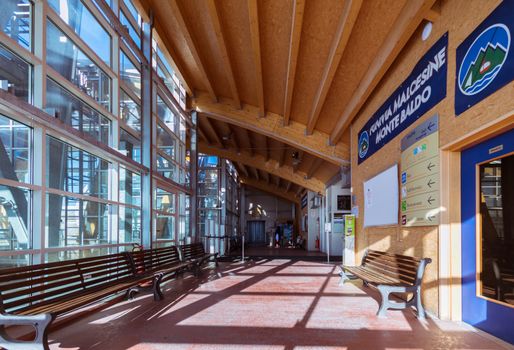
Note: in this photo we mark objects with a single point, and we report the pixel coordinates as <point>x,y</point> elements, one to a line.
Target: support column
<point>147,131</point>
<point>194,179</point>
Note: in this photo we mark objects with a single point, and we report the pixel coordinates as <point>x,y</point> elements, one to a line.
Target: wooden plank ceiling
<point>277,83</point>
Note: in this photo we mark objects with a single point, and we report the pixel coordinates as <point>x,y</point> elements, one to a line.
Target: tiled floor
<point>266,304</point>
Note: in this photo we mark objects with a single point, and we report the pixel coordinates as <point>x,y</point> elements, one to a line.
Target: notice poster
<point>420,175</point>
<point>349,225</point>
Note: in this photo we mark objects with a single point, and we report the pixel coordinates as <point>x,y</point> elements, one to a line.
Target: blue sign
<point>485,61</point>
<point>423,89</point>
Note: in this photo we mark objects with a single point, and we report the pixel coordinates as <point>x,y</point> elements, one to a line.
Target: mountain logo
<point>484,59</point>
<point>363,144</point>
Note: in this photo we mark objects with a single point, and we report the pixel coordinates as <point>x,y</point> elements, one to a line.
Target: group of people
<point>281,240</point>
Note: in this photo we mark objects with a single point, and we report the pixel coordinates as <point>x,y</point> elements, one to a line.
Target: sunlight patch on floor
<point>252,311</point>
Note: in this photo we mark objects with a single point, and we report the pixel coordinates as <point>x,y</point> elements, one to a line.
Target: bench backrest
<point>28,286</point>
<point>407,269</point>
<point>149,260</point>
<point>192,251</point>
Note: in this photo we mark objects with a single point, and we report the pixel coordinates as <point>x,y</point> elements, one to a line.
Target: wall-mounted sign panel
<point>485,60</point>
<point>422,90</point>
<point>420,175</point>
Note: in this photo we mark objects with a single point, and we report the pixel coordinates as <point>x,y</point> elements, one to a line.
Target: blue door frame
<point>492,317</point>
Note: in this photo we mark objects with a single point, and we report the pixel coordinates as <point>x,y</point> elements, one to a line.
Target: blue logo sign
<point>404,177</point>
<point>363,144</point>
<point>485,62</point>
<point>419,92</point>
<point>484,59</point>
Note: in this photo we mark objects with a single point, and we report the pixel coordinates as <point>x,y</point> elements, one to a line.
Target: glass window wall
<point>16,21</point>
<point>65,57</point>
<point>82,21</point>
<point>72,111</point>
<point>15,75</point>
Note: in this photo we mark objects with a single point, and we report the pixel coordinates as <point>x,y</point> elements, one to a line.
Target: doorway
<point>256,232</point>
<point>487,202</point>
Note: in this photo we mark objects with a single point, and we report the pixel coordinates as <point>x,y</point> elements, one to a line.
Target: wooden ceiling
<point>284,76</point>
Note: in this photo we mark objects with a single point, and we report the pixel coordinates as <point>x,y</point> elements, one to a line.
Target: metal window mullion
<point>147,191</point>
<point>127,89</point>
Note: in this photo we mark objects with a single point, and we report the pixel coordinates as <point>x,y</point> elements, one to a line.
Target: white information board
<point>381,198</point>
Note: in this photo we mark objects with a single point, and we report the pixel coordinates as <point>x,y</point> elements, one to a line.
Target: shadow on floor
<point>263,304</point>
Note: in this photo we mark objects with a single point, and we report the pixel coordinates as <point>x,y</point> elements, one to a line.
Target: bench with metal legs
<point>391,273</point>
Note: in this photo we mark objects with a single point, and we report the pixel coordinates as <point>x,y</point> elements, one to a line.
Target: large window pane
<point>73,170</point>
<point>130,74</point>
<point>82,21</point>
<point>165,142</point>
<point>164,227</point>
<point>14,218</point>
<point>165,201</point>
<point>130,146</point>
<point>133,11</point>
<point>15,150</point>
<point>74,112</point>
<point>78,254</point>
<point>67,59</point>
<point>130,111</point>
<point>167,168</point>
<point>133,32</point>
<point>129,225</point>
<point>166,115</point>
<point>15,75</point>
<point>75,222</point>
<point>16,21</point>
<point>130,187</point>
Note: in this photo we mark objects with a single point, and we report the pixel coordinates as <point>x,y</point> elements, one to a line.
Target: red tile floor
<point>265,304</point>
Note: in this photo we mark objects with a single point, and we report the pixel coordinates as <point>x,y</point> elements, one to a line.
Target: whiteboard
<point>381,198</point>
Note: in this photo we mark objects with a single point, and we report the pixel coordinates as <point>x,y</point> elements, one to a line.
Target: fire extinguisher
<point>317,242</point>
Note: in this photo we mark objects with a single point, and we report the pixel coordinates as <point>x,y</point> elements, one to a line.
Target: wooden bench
<point>391,273</point>
<point>160,263</point>
<point>195,254</point>
<point>35,295</point>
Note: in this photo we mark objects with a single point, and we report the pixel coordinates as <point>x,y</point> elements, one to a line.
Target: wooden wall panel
<point>423,241</point>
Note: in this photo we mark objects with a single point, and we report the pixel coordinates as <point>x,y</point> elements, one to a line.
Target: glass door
<point>488,235</point>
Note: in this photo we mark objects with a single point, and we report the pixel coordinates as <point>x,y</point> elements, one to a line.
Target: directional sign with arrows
<point>420,175</point>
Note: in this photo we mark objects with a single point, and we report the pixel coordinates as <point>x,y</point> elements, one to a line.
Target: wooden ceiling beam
<point>266,144</point>
<point>253,15</point>
<point>314,167</point>
<point>203,135</point>
<point>213,131</point>
<point>294,46</point>
<point>250,141</point>
<point>177,11</point>
<point>401,31</point>
<point>216,24</point>
<point>282,157</point>
<point>259,162</point>
<point>271,126</point>
<point>241,168</point>
<point>341,37</point>
<point>296,164</point>
<point>288,186</point>
<point>234,136</point>
<point>263,186</point>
